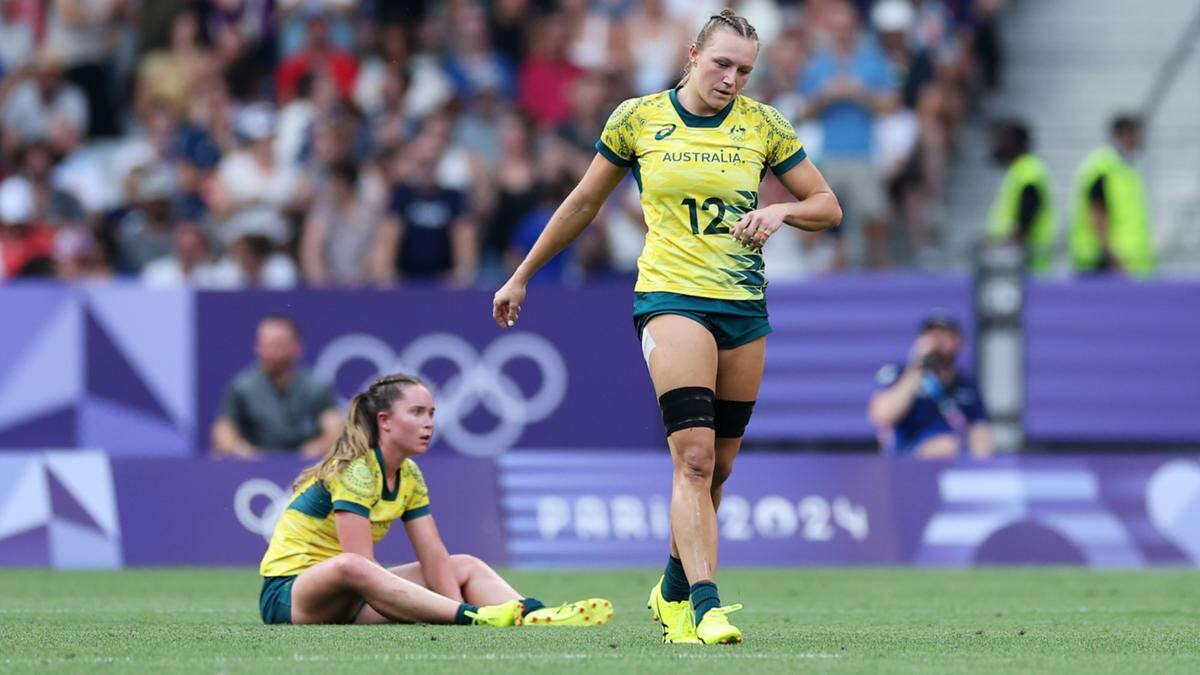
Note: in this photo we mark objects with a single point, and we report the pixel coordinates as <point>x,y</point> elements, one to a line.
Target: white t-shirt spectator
<point>166,272</point>
<point>246,182</point>
<point>30,118</point>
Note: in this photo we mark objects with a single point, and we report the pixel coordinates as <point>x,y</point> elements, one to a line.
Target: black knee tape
<point>731,417</point>
<point>687,407</point>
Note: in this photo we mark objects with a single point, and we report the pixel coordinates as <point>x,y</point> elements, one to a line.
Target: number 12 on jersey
<point>715,225</point>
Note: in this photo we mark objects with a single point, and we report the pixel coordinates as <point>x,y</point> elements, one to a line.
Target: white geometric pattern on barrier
<point>49,373</point>
<point>71,494</point>
<point>977,503</point>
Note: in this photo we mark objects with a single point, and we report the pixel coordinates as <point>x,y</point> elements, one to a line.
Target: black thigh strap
<point>687,407</point>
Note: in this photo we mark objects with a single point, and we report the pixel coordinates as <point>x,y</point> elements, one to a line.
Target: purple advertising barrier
<point>612,508</point>
<point>830,338</point>
<point>560,378</point>
<point>207,512</point>
<point>583,508</point>
<point>1110,359</point>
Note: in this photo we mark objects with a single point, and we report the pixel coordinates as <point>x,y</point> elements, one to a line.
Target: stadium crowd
<point>236,143</point>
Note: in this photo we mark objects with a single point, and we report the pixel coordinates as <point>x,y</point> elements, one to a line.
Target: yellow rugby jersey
<point>306,534</point>
<point>698,176</point>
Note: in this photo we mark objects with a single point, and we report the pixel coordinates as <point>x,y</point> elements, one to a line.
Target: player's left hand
<point>754,227</point>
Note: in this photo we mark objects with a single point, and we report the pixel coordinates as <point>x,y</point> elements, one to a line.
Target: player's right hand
<point>506,304</point>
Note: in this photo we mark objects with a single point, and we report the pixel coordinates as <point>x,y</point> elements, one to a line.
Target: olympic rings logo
<point>262,524</point>
<point>479,380</point>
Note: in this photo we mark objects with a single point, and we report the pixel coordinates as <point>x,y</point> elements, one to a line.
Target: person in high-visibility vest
<point>1023,211</point>
<point>1110,226</point>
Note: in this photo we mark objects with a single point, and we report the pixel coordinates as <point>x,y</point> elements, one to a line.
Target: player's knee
<point>352,568</point>
<point>466,565</point>
<point>687,408</point>
<point>731,417</point>
<point>695,461</point>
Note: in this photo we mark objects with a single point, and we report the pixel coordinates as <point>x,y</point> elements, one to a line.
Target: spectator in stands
<point>848,84</point>
<point>165,76</point>
<point>318,53</point>
<point>340,244</point>
<point>546,76</point>
<point>431,234</point>
<point>190,262</point>
<point>255,255</point>
<point>1023,212</point>
<point>516,193</point>
<point>80,35</point>
<point>1110,226</point>
<point>41,105</point>
<point>254,176</point>
<point>144,233</point>
<point>17,38</point>
<point>276,404</point>
<point>926,407</point>
<point>26,245</point>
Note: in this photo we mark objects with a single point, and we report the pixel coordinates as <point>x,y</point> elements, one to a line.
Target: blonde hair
<point>726,18</point>
<point>361,432</point>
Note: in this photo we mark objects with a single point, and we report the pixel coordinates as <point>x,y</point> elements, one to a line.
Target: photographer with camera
<point>926,408</point>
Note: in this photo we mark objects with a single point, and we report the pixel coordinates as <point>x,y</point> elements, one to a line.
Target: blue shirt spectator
<point>846,121</point>
<point>925,407</point>
<point>428,215</point>
<point>938,408</point>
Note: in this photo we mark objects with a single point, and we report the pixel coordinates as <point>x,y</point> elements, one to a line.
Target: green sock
<point>674,584</point>
<point>704,598</point>
<point>461,618</point>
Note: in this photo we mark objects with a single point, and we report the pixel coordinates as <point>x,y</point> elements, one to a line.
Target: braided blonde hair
<point>726,18</point>
<point>361,432</point>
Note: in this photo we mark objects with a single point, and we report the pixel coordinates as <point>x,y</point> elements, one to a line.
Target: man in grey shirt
<point>276,405</point>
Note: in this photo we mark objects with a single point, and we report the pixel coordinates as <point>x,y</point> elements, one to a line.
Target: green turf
<point>827,620</point>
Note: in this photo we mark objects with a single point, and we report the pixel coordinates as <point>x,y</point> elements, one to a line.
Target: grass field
<point>826,620</point>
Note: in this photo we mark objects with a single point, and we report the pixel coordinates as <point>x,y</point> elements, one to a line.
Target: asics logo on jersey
<point>664,132</point>
<point>478,380</point>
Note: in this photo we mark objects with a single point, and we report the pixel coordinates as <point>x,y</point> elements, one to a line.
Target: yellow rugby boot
<point>590,612</point>
<point>506,614</point>
<point>676,618</point>
<point>715,629</point>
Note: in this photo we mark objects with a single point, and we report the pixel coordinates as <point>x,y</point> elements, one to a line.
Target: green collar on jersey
<point>385,493</point>
<point>704,121</point>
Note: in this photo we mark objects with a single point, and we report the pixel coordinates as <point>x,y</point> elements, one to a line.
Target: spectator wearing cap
<point>925,407</point>
<point>253,175</point>
<point>26,245</point>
